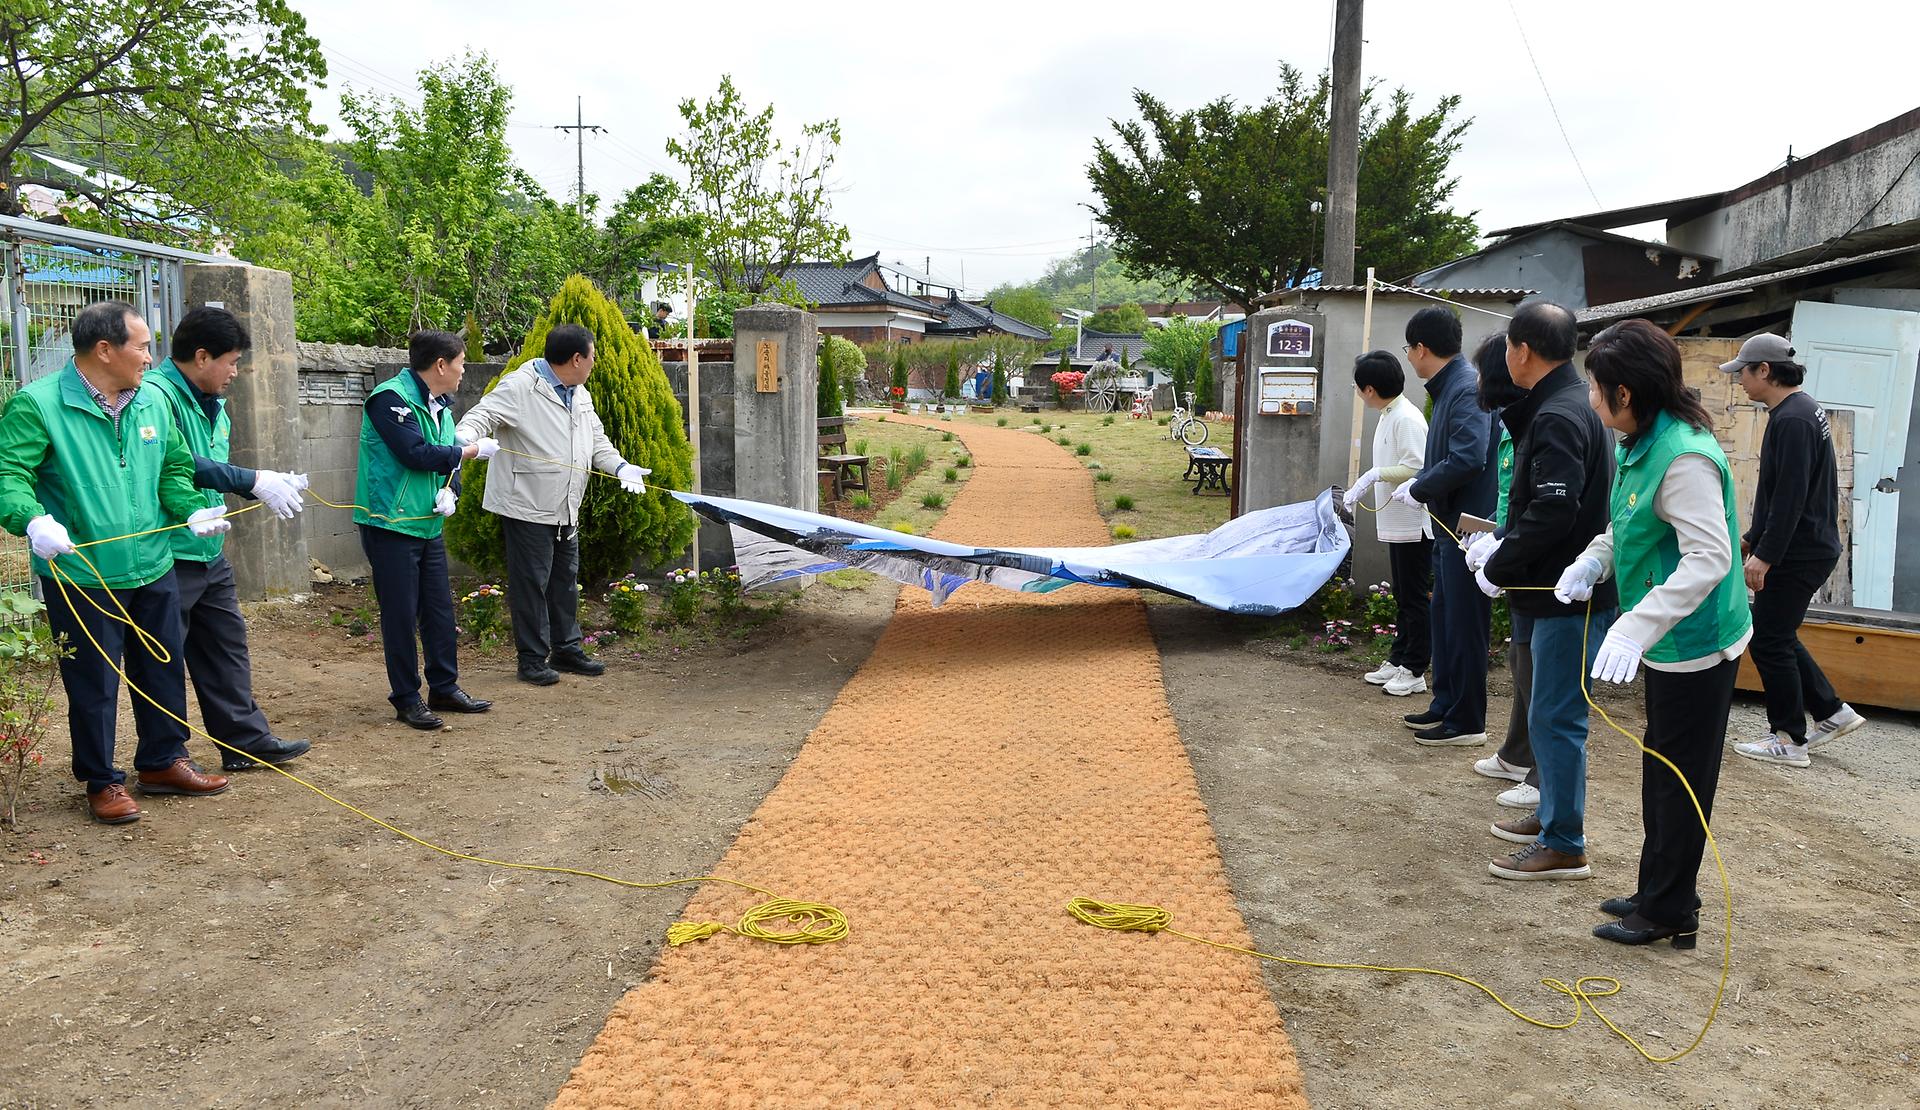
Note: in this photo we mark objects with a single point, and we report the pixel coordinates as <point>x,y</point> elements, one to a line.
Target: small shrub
<point>1063,440</point>
<point>881,419</point>
<point>484,614</point>
<point>946,437</point>
<point>1163,421</point>
<point>1107,421</point>
<point>1103,476</point>
<point>917,459</point>
<point>951,474</point>
<point>1036,420</point>
<point>903,526</point>
<point>1083,450</point>
<point>29,668</point>
<point>1045,429</point>
<point>859,446</point>
<point>860,500</point>
<point>684,588</point>
<point>896,453</point>
<point>627,604</point>
<point>1123,503</point>
<point>1123,532</point>
<point>963,461</point>
<point>729,594</point>
<point>1002,422</point>
<point>894,475</point>
<point>932,501</point>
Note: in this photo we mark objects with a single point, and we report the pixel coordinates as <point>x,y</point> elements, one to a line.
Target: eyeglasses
<point>1407,348</point>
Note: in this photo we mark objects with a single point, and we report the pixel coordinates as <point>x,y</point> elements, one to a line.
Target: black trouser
<point>1461,616</point>
<point>1411,566</point>
<point>1794,683</point>
<point>1687,723</point>
<point>217,659</point>
<point>410,584</point>
<point>1517,748</point>
<point>93,689</point>
<point>543,588</point>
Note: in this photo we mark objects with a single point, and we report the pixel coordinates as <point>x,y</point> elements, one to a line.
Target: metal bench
<point>1208,467</point>
<point>839,472</point>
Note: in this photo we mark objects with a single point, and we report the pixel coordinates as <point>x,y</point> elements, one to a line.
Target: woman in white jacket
<point>1399,451</point>
<point>542,411</point>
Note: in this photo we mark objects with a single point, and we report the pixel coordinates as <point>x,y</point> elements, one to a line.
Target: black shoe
<point>1638,930</point>
<point>419,716</point>
<point>578,662</point>
<point>457,700</point>
<point>539,674</point>
<point>1618,907</point>
<point>1426,718</point>
<point>1442,736</point>
<point>271,750</point>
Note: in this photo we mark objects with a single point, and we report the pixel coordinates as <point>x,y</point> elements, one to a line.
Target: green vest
<point>100,484</point>
<point>1504,478</point>
<point>389,495</point>
<point>207,439</point>
<point>1645,550</point>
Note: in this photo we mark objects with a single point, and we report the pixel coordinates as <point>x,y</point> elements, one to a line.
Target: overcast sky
<point>967,127</point>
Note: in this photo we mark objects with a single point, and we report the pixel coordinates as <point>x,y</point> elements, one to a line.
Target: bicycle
<point>1185,427</point>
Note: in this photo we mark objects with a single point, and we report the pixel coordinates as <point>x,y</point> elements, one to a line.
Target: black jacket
<point>1796,504</point>
<point>1560,497</point>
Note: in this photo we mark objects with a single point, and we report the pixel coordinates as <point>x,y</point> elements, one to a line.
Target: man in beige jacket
<point>543,410</point>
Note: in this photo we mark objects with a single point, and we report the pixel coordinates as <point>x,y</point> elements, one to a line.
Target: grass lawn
<point>883,440</point>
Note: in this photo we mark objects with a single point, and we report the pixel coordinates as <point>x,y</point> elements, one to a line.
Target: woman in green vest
<point>1670,550</point>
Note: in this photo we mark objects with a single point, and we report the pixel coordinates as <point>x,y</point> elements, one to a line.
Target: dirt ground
<point>265,947</point>
<point>1347,842</point>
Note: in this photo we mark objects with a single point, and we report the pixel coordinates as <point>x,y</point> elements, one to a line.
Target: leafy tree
<point>1071,280</point>
<point>901,373</point>
<point>953,372</point>
<point>1026,304</point>
<point>647,226</point>
<point>314,223</point>
<point>999,379</point>
<point>644,421</point>
<point>1220,195</point>
<point>1182,346</point>
<point>1204,399</point>
<point>849,362</point>
<point>1127,319</point>
<point>191,98</point>
<point>827,393</point>
<point>760,205</point>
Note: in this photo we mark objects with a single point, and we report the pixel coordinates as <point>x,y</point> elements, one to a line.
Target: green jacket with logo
<point>388,494</point>
<point>206,439</point>
<point>61,455</point>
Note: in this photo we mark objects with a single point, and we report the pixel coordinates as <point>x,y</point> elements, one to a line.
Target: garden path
<point>991,760</point>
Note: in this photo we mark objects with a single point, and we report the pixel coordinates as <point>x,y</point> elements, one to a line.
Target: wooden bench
<point>839,472</point>
<point>1208,467</point>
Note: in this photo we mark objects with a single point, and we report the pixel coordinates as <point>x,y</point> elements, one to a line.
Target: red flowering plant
<point>899,392</point>
<point>29,658</point>
<point>1068,380</point>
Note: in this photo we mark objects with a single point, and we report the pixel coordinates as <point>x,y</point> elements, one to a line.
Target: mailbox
<point>1288,390</point>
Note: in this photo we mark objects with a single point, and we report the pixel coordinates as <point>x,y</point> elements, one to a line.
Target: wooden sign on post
<point>767,367</point>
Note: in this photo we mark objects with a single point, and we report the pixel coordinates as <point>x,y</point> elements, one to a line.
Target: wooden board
<point>1867,664</point>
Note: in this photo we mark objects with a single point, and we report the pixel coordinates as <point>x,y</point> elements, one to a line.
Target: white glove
<point>633,478</point>
<point>1404,494</point>
<point>281,492</point>
<point>1619,658</point>
<point>1577,581</point>
<point>445,502</point>
<point>488,445</point>
<point>1486,587</point>
<point>210,521</point>
<point>1360,487</point>
<point>1479,550</point>
<point>48,537</point>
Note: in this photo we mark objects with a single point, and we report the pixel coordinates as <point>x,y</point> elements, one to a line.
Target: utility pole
<point>1343,146</point>
<point>579,127</point>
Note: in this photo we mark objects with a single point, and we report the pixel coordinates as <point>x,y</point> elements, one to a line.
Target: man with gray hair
<point>88,457</point>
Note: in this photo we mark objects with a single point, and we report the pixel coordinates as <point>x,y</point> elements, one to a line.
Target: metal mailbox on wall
<point>1292,388</point>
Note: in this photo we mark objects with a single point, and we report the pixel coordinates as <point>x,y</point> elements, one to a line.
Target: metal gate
<point>47,275</point>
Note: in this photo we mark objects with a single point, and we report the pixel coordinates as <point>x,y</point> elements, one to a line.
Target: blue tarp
<point>1263,563</point>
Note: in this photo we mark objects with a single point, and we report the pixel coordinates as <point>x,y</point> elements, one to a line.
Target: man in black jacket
<point>1791,548</point>
<point>1458,478</point>
<point>1559,501</point>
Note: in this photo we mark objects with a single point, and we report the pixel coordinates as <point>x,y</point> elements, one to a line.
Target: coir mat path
<point>994,758</point>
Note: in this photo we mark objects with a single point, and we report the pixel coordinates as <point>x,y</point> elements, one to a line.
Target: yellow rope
<point>1125,917</point>
<point>806,922</point>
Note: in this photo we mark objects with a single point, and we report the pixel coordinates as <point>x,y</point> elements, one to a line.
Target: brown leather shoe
<point>1520,830</point>
<point>112,805</point>
<point>1537,861</point>
<point>182,776</point>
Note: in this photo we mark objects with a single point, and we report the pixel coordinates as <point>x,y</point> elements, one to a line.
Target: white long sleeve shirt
<point>1399,452</point>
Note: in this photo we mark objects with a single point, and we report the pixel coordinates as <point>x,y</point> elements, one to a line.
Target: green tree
<point>317,226</point>
<point>1026,304</point>
<point>1127,319</point>
<point>953,372</point>
<point>1182,346</point>
<point>761,205</point>
<point>189,98</point>
<point>1204,399</point>
<point>1220,195</point>
<point>644,421</point>
<point>999,379</point>
<point>849,363</point>
<point>1066,364</point>
<point>901,373</point>
<point>827,393</point>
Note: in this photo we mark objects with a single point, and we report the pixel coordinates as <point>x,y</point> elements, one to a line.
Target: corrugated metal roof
<point>1621,309</point>
<point>1503,294</point>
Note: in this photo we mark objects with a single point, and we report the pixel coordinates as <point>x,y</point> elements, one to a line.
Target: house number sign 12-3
<point>767,366</point>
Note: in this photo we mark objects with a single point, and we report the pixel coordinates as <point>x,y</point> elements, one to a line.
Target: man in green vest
<point>409,484</point>
<point>89,458</point>
<point>207,345</point>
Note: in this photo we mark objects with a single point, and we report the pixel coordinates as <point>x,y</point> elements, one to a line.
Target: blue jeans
<point>1563,649</point>
<point>1460,618</point>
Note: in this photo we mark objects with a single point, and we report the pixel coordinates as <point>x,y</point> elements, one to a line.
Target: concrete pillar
<point>775,434</point>
<point>1279,459</point>
<point>269,555</point>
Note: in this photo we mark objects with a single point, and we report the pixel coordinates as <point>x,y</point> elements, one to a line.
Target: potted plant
<point>899,393</point>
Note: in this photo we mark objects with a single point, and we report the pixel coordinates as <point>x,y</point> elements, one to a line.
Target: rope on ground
<point>1125,917</point>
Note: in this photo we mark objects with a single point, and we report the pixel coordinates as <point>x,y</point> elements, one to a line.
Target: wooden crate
<point>1870,656</point>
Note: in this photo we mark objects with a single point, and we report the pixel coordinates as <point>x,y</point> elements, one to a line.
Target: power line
<point>1551,106</point>
<point>580,127</point>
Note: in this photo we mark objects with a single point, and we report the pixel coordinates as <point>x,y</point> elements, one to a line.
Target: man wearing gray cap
<point>1791,546</point>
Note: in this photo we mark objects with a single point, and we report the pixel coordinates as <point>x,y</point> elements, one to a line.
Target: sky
<point>967,127</point>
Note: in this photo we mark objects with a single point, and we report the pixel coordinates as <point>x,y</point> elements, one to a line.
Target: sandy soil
<point>265,947</point>
<point>1345,841</point>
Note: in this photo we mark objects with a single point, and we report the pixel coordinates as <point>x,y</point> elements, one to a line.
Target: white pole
<point>693,403</point>
<point>1366,344</point>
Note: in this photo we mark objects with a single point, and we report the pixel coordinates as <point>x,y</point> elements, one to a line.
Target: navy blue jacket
<point>1460,472</point>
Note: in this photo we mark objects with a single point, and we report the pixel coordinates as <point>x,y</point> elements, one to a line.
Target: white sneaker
<point>1775,749</point>
<point>1834,727</point>
<point>1386,673</point>
<point>1496,768</point>
<point>1406,682</point>
<point>1520,797</point>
